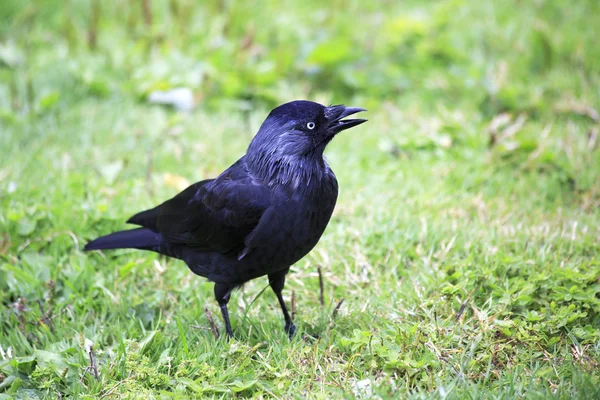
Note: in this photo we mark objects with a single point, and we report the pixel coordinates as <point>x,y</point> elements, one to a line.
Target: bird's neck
<point>277,169</point>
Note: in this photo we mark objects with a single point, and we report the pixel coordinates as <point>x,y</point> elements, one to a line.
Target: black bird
<point>260,216</point>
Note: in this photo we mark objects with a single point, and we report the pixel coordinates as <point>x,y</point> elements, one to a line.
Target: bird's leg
<point>222,294</point>
<point>277,281</point>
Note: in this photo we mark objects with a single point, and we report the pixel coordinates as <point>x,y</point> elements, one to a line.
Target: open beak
<point>336,114</point>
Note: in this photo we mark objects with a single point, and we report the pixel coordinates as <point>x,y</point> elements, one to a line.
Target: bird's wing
<point>212,215</point>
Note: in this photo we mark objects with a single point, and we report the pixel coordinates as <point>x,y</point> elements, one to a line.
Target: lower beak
<point>335,115</point>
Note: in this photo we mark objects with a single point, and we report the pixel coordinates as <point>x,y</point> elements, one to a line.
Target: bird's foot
<point>290,329</point>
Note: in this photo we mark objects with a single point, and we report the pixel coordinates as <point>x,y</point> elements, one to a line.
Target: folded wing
<point>212,215</point>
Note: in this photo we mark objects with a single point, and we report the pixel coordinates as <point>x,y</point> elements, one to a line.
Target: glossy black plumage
<point>259,216</point>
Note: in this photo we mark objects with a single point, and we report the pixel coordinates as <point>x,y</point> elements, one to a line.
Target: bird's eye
<point>310,125</point>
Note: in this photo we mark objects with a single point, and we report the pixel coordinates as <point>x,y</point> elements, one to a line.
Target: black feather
<point>141,238</point>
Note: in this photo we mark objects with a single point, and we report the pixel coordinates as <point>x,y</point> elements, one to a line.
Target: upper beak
<point>335,114</point>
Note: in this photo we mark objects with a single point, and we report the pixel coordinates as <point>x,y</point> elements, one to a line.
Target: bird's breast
<point>296,223</point>
<point>307,211</point>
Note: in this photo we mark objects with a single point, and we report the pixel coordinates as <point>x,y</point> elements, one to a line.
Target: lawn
<point>462,260</point>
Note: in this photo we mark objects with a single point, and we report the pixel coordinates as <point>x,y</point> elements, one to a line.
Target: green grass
<point>467,269</point>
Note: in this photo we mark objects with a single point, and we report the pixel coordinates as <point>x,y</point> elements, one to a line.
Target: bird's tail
<point>141,238</point>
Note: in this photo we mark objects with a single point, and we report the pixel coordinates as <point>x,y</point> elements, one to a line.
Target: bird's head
<point>298,132</point>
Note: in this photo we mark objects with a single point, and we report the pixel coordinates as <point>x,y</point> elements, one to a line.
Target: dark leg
<point>222,294</point>
<point>277,281</point>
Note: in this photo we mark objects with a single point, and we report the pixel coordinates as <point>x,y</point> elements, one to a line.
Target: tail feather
<point>141,238</point>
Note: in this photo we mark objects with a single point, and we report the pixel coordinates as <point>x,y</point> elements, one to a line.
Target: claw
<point>290,330</point>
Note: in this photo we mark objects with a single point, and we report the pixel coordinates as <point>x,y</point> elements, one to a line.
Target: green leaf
<point>147,341</point>
<point>53,360</point>
<point>239,386</point>
<point>26,226</point>
<point>26,364</point>
<point>49,100</point>
<point>191,385</point>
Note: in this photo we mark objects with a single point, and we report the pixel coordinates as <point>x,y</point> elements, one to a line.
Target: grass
<point>464,244</point>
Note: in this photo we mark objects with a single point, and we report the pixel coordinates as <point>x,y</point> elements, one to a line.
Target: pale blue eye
<point>310,125</point>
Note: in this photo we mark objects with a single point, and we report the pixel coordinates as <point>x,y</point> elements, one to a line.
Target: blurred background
<point>466,237</point>
<point>519,56</point>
